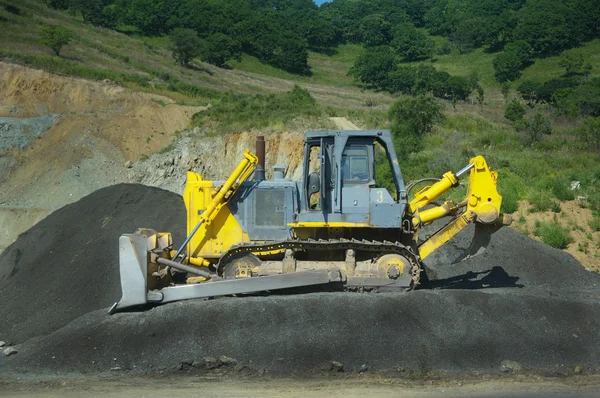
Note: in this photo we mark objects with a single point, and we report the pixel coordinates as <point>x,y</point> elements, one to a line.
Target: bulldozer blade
<point>481,240</point>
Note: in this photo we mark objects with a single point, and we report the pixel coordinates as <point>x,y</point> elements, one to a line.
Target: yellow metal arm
<point>229,188</point>
<point>482,204</point>
<point>221,196</point>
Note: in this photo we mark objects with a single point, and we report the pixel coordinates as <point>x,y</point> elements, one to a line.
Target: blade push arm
<point>222,194</point>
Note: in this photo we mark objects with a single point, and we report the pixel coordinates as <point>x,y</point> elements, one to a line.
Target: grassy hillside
<point>253,95</point>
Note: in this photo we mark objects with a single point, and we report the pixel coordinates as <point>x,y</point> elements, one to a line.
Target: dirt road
<point>353,387</point>
<point>343,123</point>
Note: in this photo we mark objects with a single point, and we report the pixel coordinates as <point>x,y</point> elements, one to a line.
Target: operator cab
<point>339,184</point>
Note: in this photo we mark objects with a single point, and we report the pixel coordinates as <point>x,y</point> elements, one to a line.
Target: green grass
<point>544,69</point>
<point>328,70</point>
<point>276,112</point>
<point>553,234</point>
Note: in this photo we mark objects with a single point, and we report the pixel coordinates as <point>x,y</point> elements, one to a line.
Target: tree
<point>589,133</point>
<point>373,67</point>
<point>412,44</point>
<point>480,96</point>
<point>185,45</point>
<point>548,90</point>
<point>55,37</point>
<point>507,66</point>
<point>458,88</point>
<point>375,30</point>
<point>505,89</point>
<point>468,34</point>
<point>219,48</point>
<point>402,80</point>
<point>552,25</point>
<point>290,55</point>
<point>514,111</point>
<point>529,92</point>
<point>412,118</point>
<point>575,63</point>
<point>535,128</point>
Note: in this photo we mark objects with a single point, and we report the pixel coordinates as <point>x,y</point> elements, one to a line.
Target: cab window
<point>355,164</point>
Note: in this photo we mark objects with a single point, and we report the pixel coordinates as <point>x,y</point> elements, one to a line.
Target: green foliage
<point>583,100</point>
<point>589,133</point>
<point>535,128</point>
<point>413,118</point>
<point>468,34</point>
<point>594,224</point>
<point>514,111</point>
<point>559,185</point>
<point>186,45</point>
<point>541,200</point>
<point>411,43</point>
<point>509,64</point>
<point>505,90</point>
<point>55,37</point>
<point>480,96</point>
<point>219,48</point>
<point>373,66</point>
<point>553,234</point>
<point>375,30</point>
<point>575,63</point>
<point>552,25</point>
<point>529,91</point>
<point>242,112</point>
<point>507,67</point>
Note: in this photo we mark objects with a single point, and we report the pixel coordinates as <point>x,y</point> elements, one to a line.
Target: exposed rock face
<point>215,157</point>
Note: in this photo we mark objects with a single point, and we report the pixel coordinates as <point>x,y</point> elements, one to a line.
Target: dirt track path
<point>343,123</point>
<point>334,387</point>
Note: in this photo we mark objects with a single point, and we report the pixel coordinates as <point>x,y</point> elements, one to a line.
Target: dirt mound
<point>90,129</point>
<point>67,264</point>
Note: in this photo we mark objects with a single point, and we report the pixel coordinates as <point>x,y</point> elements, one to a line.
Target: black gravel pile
<point>67,265</point>
<point>520,301</point>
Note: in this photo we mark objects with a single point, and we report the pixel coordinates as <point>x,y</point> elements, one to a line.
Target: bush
<point>514,111</point>
<point>412,118</point>
<point>595,224</point>
<point>535,128</point>
<point>185,45</point>
<point>529,91</point>
<point>412,44</point>
<point>219,48</point>
<point>575,63</point>
<point>589,133</point>
<point>373,67</point>
<point>55,37</point>
<point>541,200</point>
<point>553,234</point>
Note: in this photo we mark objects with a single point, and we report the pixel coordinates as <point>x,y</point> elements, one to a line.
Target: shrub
<point>185,45</point>
<point>55,37</point>
<point>589,133</point>
<point>535,128</point>
<point>514,111</point>
<point>595,224</point>
<point>553,234</point>
<point>373,67</point>
<point>541,200</point>
<point>219,48</point>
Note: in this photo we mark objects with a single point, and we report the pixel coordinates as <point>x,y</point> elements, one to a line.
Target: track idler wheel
<point>240,266</point>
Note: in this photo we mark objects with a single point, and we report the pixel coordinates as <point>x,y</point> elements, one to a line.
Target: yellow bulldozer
<point>336,228</point>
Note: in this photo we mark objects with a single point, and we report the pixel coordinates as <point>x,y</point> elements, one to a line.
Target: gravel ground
<point>521,305</point>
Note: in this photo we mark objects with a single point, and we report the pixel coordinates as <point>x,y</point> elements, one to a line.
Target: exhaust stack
<point>259,172</point>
